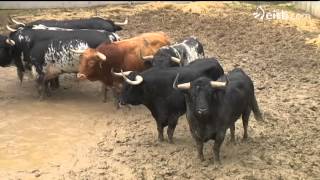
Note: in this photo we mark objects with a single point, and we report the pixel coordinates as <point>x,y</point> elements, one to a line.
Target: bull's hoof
<point>41,98</point>
<point>218,162</point>
<point>170,140</point>
<point>201,158</point>
<point>160,139</point>
<point>48,93</point>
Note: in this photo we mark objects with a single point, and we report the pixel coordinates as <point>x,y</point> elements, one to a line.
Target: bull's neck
<point>113,53</point>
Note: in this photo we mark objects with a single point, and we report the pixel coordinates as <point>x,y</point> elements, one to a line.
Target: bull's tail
<point>255,108</point>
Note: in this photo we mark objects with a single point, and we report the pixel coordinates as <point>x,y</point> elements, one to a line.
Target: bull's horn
<point>184,85</point>
<point>78,51</point>
<point>101,56</point>
<point>137,80</point>
<point>10,42</point>
<point>120,74</point>
<point>11,29</point>
<point>122,23</point>
<point>174,59</point>
<point>145,57</point>
<point>217,84</point>
<point>180,86</point>
<point>17,22</point>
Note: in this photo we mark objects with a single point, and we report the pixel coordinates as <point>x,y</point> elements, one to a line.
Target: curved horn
<point>10,42</point>
<point>180,86</point>
<point>217,84</point>
<point>17,22</point>
<point>101,56</point>
<point>174,59</point>
<point>78,51</point>
<point>137,80</point>
<point>145,58</point>
<point>174,85</point>
<point>120,74</point>
<point>122,23</point>
<point>11,29</point>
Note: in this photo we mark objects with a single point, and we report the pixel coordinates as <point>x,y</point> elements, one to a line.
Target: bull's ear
<point>147,63</point>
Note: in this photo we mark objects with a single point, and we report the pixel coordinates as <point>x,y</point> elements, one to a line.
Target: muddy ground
<point>73,135</point>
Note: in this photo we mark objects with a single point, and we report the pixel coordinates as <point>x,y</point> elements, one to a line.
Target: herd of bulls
<point>169,79</point>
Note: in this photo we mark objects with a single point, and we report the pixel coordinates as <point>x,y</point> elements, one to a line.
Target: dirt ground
<point>73,135</point>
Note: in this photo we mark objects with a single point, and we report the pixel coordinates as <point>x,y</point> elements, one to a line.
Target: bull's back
<point>94,38</point>
<point>239,92</point>
<point>209,67</point>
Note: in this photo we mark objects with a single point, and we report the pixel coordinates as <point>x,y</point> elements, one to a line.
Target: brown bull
<point>96,64</point>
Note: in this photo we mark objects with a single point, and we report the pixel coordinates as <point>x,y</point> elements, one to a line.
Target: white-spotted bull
<point>53,57</point>
<point>179,54</point>
<point>26,38</point>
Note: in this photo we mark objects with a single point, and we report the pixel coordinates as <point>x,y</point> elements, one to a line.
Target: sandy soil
<point>73,135</point>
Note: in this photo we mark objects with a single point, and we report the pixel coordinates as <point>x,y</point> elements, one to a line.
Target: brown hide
<point>123,55</point>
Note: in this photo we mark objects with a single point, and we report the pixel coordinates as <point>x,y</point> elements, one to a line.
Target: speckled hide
<point>59,59</point>
<point>189,50</point>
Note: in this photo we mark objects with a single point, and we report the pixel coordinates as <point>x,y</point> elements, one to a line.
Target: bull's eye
<point>91,63</point>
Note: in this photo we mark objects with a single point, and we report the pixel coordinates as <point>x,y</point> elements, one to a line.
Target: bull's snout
<point>121,102</point>
<point>81,76</point>
<point>202,111</point>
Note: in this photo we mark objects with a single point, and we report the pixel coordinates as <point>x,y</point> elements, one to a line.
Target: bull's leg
<point>171,127</point>
<point>160,131</point>
<point>20,70</point>
<point>232,130</point>
<point>47,88</point>
<point>105,92</point>
<point>200,149</point>
<point>20,75</point>
<point>245,122</point>
<point>41,87</point>
<point>115,97</point>
<point>54,83</point>
<point>217,144</point>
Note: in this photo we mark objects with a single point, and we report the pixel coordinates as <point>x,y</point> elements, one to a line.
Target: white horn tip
<point>184,86</point>
<point>218,84</point>
<point>177,60</point>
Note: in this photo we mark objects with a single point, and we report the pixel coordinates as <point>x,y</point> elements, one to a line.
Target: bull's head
<point>11,29</point>
<point>132,90</point>
<point>199,93</point>
<point>122,23</point>
<point>164,57</point>
<point>17,22</point>
<point>90,62</point>
<point>5,50</point>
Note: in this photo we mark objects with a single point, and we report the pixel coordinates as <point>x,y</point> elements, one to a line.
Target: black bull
<point>156,92</point>
<point>215,106</point>
<point>90,23</point>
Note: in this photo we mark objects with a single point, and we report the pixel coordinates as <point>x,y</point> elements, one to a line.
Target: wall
<point>64,4</point>
<point>312,7</point>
